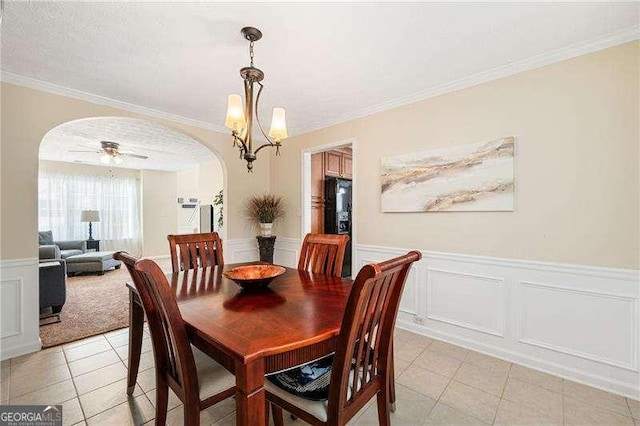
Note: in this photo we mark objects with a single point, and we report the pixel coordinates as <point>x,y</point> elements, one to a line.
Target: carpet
<point>95,304</point>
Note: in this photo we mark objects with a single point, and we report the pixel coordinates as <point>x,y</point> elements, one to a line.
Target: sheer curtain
<point>63,197</point>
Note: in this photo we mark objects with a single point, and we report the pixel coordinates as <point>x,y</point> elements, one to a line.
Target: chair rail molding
<point>575,321</point>
<point>19,307</point>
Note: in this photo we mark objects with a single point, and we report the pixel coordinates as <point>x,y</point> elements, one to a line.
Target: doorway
<point>329,193</point>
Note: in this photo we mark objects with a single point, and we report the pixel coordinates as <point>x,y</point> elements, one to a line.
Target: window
<point>63,197</point>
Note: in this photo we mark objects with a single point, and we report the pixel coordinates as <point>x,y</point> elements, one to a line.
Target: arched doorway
<point>142,181</point>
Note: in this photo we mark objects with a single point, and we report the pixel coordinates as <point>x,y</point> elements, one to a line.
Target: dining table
<point>252,332</point>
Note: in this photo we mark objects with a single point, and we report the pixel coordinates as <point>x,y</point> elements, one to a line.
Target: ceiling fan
<point>111,153</point>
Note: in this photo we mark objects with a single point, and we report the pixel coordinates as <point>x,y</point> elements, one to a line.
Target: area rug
<point>95,304</point>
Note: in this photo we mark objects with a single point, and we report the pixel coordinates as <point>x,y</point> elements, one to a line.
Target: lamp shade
<point>90,216</point>
<point>278,124</point>
<point>235,114</point>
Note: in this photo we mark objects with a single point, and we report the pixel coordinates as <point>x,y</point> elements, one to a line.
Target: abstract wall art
<point>475,177</point>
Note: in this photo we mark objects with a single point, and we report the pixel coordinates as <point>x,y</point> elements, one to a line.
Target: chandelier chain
<point>251,52</point>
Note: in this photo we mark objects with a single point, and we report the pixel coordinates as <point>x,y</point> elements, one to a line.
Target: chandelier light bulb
<point>105,158</point>
<point>117,159</point>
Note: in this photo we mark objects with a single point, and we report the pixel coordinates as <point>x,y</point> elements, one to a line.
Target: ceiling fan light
<point>117,159</point>
<point>105,158</point>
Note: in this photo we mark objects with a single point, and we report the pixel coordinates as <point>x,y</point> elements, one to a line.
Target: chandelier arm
<point>258,117</point>
<point>263,146</point>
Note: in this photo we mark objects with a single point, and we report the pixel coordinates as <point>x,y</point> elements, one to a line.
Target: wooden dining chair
<point>191,251</point>
<point>361,364</point>
<point>194,377</point>
<point>323,253</point>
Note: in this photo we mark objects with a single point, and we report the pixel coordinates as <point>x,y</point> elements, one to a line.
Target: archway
<point>172,174</point>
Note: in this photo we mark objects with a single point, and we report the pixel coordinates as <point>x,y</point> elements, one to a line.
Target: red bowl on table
<point>254,276</point>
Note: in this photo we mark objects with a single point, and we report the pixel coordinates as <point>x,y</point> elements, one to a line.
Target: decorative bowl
<point>254,276</point>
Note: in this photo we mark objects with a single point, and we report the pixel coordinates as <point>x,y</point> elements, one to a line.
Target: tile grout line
<point>84,418</point>
<point>500,398</point>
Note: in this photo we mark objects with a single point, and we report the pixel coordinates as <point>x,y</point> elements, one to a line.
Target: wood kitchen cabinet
<point>338,163</point>
<point>317,193</point>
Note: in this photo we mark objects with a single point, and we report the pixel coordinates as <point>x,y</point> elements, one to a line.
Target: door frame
<point>305,222</point>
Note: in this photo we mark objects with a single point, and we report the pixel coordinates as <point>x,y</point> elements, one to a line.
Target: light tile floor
<point>436,383</point>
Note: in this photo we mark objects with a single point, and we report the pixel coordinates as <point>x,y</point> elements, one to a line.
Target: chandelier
<point>240,119</point>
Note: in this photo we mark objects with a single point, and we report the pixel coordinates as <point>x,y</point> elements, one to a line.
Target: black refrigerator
<point>337,214</point>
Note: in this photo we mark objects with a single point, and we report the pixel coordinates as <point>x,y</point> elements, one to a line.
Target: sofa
<point>50,249</point>
<point>74,253</point>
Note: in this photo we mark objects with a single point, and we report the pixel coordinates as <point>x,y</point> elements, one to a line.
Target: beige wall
<point>209,181</point>
<point>159,212</point>
<point>577,182</point>
<point>27,115</point>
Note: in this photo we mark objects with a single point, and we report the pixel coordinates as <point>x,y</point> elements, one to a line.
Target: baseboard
<point>21,349</point>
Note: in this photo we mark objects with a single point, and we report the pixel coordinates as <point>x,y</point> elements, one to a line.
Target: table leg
<point>250,393</point>
<point>136,323</point>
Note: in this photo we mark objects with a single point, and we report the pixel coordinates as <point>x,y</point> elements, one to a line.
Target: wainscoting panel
<point>287,252</point>
<point>19,307</point>
<point>471,301</point>
<point>552,315</point>
<point>241,250</point>
<point>577,322</point>
<point>11,295</point>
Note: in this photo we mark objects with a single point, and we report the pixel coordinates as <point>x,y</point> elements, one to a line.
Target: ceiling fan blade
<point>82,150</point>
<point>128,154</point>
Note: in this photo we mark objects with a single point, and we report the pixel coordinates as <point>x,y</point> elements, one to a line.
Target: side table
<point>93,245</point>
<point>265,245</point>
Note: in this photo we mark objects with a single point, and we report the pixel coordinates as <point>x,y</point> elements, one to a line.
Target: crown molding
<point>589,46</point>
<point>603,42</point>
<point>56,89</point>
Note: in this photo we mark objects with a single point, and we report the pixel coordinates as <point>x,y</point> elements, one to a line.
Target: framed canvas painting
<point>474,177</point>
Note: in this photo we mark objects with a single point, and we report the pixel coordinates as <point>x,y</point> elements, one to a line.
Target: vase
<point>265,229</point>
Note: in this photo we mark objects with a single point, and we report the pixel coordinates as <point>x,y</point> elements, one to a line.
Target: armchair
<point>53,287</point>
<point>50,249</point>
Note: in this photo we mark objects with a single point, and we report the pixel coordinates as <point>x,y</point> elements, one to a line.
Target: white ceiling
<point>325,62</point>
<point>166,148</point>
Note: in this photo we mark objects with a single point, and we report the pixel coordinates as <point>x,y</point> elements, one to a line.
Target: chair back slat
<point>362,359</point>
<point>191,251</point>
<point>171,346</point>
<point>323,253</point>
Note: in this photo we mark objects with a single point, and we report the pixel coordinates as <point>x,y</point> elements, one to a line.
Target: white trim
<point>500,281</point>
<point>585,270</point>
<point>17,305</point>
<point>614,370</point>
<point>25,348</point>
<point>581,376</point>
<point>582,48</point>
<point>56,89</point>
<point>23,308</point>
<point>633,366</point>
<point>18,263</point>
